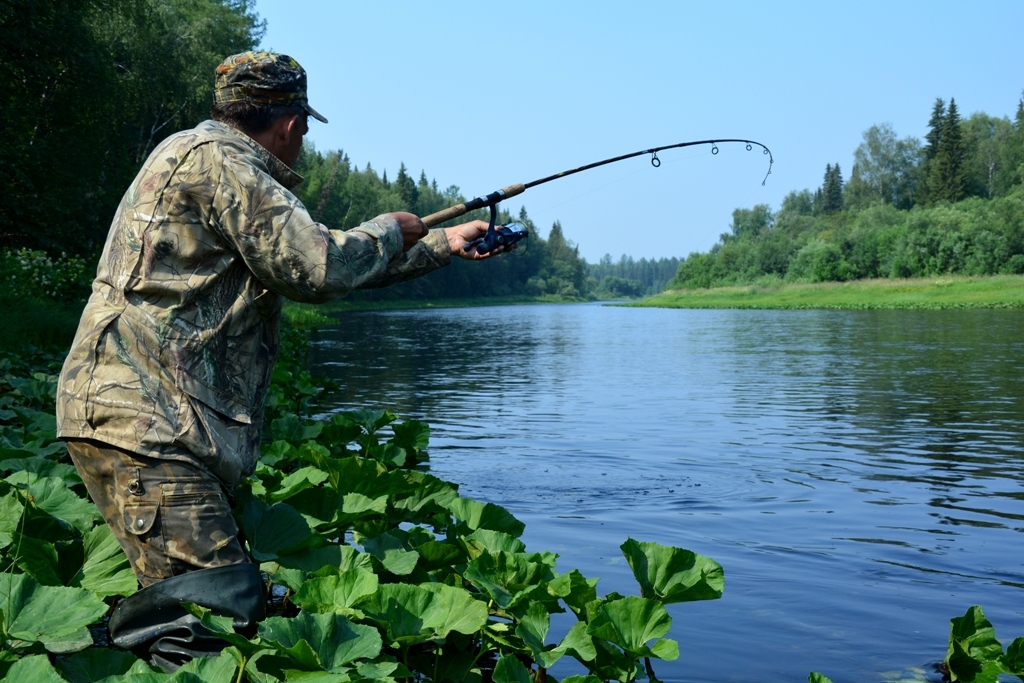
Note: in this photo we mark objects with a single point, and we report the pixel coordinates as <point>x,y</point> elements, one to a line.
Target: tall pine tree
<point>933,139</point>
<point>831,197</point>
<point>947,175</point>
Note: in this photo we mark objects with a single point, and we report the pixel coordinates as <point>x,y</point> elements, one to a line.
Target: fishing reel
<point>507,235</point>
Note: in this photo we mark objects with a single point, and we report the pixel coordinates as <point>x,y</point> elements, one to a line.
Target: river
<point>858,474</point>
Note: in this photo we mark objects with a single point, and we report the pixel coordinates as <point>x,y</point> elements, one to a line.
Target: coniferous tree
<point>406,187</point>
<point>1016,152</point>
<point>932,139</point>
<point>947,174</point>
<point>832,190</point>
<point>935,125</point>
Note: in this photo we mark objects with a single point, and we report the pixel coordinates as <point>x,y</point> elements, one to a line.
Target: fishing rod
<point>510,233</point>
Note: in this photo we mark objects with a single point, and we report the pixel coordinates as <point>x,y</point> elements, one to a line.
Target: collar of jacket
<point>278,170</point>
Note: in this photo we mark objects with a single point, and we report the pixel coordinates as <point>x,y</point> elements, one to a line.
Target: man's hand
<point>461,235</point>
<point>413,229</point>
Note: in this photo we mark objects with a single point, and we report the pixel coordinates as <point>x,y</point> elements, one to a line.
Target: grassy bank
<point>1001,291</point>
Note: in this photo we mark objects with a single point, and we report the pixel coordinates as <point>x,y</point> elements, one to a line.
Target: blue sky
<point>483,95</point>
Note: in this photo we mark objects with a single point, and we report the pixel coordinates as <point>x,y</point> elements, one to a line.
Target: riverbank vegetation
<point>951,291</point>
<point>951,205</point>
<point>378,571</point>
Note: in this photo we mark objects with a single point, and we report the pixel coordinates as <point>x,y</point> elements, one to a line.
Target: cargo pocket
<point>198,529</point>
<point>139,516</point>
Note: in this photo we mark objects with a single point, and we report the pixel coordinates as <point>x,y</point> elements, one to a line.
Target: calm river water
<point>859,475</point>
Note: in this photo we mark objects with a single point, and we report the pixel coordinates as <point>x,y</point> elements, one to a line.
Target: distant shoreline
<point>937,292</point>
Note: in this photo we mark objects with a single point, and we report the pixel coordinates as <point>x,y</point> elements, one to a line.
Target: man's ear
<point>292,126</point>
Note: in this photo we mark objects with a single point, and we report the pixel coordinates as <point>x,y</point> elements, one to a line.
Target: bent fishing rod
<point>510,234</point>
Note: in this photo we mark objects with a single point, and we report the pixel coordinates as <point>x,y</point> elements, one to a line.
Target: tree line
<point>953,203</point>
<point>91,87</point>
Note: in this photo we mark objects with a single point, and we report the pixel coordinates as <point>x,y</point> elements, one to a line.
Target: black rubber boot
<point>152,622</point>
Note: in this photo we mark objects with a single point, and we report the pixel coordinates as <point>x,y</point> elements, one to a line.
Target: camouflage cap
<point>266,77</point>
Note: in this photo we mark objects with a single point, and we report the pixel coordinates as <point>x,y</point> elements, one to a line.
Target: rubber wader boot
<point>153,621</point>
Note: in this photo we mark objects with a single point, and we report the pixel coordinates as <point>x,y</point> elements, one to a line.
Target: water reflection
<point>858,474</point>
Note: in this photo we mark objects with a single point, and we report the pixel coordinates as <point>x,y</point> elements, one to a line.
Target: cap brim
<point>314,113</point>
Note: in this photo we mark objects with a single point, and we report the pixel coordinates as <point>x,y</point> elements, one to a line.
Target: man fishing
<point>161,397</point>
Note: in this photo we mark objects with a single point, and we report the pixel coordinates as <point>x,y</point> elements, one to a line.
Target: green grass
<point>999,291</point>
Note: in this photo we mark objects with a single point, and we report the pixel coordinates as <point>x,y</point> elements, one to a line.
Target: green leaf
<point>52,495</point>
<point>299,480</point>
<point>277,452</point>
<point>508,578</point>
<point>412,437</point>
<point>223,628</point>
<point>33,669</point>
<point>357,503</point>
<point>412,434</point>
<point>315,677</point>
<point>273,531</point>
<point>392,554</point>
<point>291,428</point>
<point>321,641</point>
<point>55,616</point>
<point>223,668</point>
<point>672,574</point>
<point>334,557</point>
<point>399,608</point>
<point>476,515</point>
<point>387,453</point>
<point>436,554</point>
<point>94,664</point>
<point>630,623</point>
<point>491,541</point>
<point>377,669</point>
<point>106,570</point>
<point>419,497</point>
<point>37,557</point>
<point>575,590</point>
<point>815,677</point>
<point>339,432</point>
<point>533,629</point>
<point>453,609</point>
<point>1013,660</point>
<point>581,679</point>
<point>510,670</point>
<point>43,466</point>
<point>292,578</point>
<point>370,420</point>
<point>578,643</point>
<point>972,647</point>
<point>412,614</point>
<point>337,593</point>
<point>10,515</point>
<point>666,649</point>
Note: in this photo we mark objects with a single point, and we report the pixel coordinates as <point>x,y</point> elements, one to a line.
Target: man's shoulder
<point>207,132</point>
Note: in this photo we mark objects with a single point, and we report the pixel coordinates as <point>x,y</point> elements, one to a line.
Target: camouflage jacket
<point>177,343</point>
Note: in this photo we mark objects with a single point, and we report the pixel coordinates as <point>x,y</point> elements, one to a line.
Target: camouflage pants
<point>170,517</point>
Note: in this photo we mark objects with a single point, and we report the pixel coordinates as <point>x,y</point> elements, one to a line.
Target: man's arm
<point>432,252</point>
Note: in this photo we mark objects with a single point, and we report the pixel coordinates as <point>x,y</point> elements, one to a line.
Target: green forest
<point>98,84</point>
<point>950,204</point>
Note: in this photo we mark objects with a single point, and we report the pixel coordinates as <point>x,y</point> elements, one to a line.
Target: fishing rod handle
<point>477,203</point>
